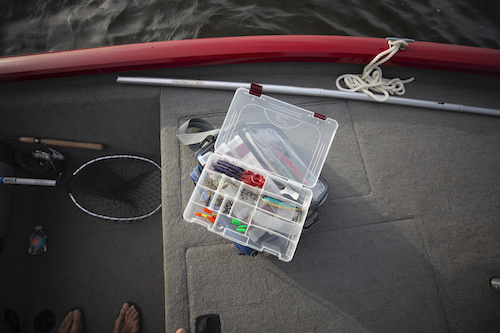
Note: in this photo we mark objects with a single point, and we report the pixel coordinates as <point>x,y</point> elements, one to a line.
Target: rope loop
<point>371,80</point>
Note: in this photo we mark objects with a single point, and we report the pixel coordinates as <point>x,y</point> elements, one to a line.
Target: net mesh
<point>120,188</point>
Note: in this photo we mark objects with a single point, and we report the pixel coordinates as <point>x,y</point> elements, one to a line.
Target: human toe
<point>66,323</point>
<point>76,327</point>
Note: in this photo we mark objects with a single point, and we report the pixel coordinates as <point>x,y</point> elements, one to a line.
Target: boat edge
<point>245,49</point>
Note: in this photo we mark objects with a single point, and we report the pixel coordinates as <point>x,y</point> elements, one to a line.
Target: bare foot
<point>74,320</point>
<point>66,323</point>
<point>127,321</point>
<point>77,321</point>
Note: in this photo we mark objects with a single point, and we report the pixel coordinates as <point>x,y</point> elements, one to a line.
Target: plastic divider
<point>263,240</point>
<point>276,225</point>
<point>267,219</point>
<point>286,189</point>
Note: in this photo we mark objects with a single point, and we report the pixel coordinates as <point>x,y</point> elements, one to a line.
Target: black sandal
<point>208,324</point>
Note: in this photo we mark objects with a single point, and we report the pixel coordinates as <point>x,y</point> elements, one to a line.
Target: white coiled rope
<point>372,79</point>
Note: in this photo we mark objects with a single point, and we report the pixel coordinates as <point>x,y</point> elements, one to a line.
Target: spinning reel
<point>43,161</point>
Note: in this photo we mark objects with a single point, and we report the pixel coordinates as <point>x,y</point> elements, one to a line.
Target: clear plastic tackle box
<point>255,189</point>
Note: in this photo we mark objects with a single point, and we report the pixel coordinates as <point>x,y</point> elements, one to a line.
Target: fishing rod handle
<point>64,143</point>
<point>27,181</point>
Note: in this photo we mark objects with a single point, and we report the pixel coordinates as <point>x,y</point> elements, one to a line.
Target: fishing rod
<point>318,92</point>
<point>55,142</point>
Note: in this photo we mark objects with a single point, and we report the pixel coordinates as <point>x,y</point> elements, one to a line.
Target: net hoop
<point>118,219</point>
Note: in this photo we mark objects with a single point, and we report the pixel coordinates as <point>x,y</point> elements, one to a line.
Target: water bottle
<point>38,241</point>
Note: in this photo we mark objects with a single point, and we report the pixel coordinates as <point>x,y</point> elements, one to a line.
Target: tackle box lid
<point>276,136</point>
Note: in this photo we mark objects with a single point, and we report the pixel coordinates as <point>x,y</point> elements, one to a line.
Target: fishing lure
<point>210,216</point>
<point>246,176</point>
<point>278,204</point>
<point>235,222</point>
<point>241,227</point>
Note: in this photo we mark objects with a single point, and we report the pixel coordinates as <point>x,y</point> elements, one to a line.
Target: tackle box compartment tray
<point>255,189</point>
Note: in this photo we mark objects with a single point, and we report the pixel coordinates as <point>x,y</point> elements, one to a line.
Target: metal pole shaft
<point>290,90</point>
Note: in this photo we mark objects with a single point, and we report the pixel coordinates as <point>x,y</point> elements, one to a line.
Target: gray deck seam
<point>359,149</point>
<point>433,272</point>
<point>360,225</point>
<point>185,279</point>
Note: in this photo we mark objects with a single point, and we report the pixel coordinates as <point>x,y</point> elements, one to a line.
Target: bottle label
<point>38,241</point>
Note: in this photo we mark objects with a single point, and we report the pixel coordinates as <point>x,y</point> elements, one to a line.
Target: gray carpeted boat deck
<point>408,238</point>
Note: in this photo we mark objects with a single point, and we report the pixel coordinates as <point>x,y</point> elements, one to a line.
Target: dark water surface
<point>33,26</point>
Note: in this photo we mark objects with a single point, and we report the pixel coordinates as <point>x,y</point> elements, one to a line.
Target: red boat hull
<point>231,50</point>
